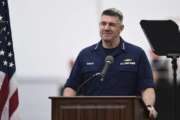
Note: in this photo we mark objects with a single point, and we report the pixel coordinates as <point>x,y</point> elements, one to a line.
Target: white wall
<point>47,33</point>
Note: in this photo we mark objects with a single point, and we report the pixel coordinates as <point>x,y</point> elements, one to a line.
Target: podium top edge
<point>92,97</point>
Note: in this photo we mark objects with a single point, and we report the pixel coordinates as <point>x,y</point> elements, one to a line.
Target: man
<point>129,74</point>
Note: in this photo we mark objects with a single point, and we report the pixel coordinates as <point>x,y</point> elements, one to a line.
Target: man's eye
<point>103,23</point>
<point>112,24</point>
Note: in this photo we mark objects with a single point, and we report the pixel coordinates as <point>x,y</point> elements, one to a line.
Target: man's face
<point>110,28</point>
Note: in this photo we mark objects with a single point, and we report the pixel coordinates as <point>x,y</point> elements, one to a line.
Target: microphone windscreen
<point>109,59</point>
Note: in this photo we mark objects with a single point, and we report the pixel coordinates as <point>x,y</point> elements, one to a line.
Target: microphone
<point>108,61</point>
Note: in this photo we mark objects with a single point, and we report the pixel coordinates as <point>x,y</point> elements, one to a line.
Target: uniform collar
<point>121,46</point>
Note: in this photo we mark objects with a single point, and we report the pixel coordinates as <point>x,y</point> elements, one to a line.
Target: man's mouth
<point>107,34</point>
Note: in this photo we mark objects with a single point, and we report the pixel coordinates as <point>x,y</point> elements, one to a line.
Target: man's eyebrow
<point>109,22</point>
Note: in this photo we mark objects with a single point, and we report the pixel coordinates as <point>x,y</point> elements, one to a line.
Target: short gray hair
<point>113,12</point>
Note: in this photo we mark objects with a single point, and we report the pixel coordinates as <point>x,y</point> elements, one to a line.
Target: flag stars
<point>1,18</point>
<point>11,64</point>
<point>2,52</point>
<point>10,54</point>
<point>9,44</point>
<point>3,29</point>
<point>5,63</point>
<point>3,3</point>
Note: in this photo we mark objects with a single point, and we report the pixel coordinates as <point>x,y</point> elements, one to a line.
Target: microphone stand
<point>90,78</point>
<point>174,67</point>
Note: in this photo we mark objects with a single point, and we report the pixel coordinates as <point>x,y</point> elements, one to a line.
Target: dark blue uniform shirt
<point>129,74</point>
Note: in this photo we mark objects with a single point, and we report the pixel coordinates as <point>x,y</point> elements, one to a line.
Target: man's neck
<point>111,44</point>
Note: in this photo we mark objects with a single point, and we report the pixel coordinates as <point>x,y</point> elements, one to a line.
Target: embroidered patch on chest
<point>89,63</point>
<point>128,61</point>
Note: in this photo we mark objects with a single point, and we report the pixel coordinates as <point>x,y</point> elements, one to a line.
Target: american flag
<point>8,90</point>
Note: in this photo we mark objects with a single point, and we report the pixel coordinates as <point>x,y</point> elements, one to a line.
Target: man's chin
<point>107,39</point>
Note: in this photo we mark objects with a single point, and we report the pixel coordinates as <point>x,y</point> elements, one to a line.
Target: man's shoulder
<point>89,49</point>
<point>133,48</point>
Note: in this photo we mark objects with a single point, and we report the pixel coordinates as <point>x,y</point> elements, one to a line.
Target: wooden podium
<point>98,108</point>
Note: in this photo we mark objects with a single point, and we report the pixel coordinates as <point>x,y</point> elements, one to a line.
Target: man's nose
<point>107,27</point>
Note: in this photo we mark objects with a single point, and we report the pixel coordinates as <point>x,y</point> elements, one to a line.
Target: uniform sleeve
<point>75,76</point>
<point>145,77</point>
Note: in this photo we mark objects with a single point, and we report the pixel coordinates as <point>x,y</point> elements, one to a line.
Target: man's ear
<point>122,27</point>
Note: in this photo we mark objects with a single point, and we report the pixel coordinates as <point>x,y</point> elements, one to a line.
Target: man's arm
<point>148,96</point>
<point>69,92</point>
